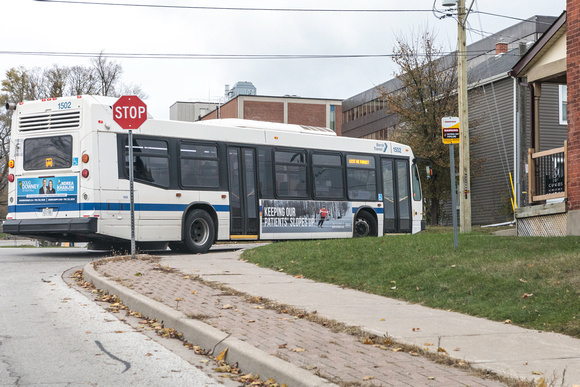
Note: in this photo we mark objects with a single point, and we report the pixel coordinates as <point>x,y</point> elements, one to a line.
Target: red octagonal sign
<point>129,112</point>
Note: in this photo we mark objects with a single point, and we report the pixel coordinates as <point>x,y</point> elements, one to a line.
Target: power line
<point>214,56</point>
<point>279,9</point>
<point>231,8</point>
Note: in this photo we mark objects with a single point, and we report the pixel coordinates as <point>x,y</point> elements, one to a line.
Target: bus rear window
<point>47,153</point>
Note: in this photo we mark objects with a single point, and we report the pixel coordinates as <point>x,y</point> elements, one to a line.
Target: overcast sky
<point>33,26</point>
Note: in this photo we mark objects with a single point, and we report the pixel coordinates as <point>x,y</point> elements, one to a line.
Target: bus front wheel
<point>365,225</point>
<point>199,232</point>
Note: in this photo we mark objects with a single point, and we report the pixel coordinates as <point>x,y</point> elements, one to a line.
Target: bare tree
<point>55,79</point>
<point>108,74</point>
<point>82,80</point>
<point>427,93</point>
<point>132,89</point>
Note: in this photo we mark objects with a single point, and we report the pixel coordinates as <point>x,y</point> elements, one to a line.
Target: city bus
<point>196,183</point>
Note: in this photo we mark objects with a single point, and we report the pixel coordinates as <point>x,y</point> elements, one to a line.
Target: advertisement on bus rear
<point>292,216</point>
<point>47,190</point>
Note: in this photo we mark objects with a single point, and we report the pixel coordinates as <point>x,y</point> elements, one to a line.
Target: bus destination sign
<point>450,130</point>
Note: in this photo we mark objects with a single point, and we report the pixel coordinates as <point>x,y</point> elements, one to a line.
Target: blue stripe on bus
<point>379,210</point>
<point>21,208</point>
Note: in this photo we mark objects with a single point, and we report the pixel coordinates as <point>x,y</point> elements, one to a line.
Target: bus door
<point>244,220</point>
<point>396,195</point>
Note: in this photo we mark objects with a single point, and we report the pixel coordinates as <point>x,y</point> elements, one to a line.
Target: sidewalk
<point>312,349</point>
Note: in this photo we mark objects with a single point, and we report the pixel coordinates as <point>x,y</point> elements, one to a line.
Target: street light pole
<point>464,171</point>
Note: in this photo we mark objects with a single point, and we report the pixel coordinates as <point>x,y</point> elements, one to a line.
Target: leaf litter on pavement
<point>226,370</point>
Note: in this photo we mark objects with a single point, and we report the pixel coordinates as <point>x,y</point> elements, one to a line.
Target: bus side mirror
<point>430,172</point>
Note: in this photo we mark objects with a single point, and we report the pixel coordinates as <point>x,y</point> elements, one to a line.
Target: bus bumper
<point>50,228</point>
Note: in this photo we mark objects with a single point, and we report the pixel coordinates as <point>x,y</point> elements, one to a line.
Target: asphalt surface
<point>277,343</point>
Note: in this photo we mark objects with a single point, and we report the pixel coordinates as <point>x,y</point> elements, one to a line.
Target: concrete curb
<point>249,358</point>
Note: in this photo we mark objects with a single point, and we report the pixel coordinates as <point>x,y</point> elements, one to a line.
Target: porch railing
<point>547,174</point>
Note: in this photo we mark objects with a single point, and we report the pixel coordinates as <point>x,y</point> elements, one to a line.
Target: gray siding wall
<point>552,134</point>
<point>491,113</point>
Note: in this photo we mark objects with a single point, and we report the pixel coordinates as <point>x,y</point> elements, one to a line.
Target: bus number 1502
<point>64,105</point>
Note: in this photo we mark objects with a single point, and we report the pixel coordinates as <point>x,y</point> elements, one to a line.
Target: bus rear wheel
<point>364,225</point>
<point>199,232</point>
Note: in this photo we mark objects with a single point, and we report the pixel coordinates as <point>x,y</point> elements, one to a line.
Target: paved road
<point>53,335</point>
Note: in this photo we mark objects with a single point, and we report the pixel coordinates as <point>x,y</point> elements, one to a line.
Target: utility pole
<point>464,172</point>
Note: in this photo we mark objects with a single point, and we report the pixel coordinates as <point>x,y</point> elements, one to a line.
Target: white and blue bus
<point>202,182</point>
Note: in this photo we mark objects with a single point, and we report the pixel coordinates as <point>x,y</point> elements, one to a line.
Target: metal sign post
<point>450,135</point>
<point>453,194</point>
<point>129,112</point>
<point>131,193</point>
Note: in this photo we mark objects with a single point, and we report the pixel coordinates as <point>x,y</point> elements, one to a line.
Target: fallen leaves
<point>526,295</point>
<point>298,349</point>
<point>222,355</point>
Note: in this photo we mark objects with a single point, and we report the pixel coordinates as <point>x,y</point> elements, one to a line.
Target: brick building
<point>573,81</point>
<point>288,110</point>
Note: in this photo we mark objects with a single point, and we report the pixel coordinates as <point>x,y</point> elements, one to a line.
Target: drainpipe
<point>516,139</point>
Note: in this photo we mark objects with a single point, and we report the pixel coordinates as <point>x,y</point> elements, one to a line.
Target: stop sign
<point>129,112</point>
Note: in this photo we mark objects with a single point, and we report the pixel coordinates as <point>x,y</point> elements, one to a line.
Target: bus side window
<point>151,161</point>
<point>416,184</point>
<point>199,165</point>
<point>361,177</point>
<point>265,179</point>
<point>290,167</point>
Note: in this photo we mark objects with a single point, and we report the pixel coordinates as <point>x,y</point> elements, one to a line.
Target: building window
<point>563,104</point>
<point>333,117</point>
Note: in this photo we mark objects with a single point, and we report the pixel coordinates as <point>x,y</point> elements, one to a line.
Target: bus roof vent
<point>51,120</point>
<point>317,130</point>
<point>276,126</point>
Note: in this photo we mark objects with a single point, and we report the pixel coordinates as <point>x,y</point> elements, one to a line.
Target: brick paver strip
<point>335,356</point>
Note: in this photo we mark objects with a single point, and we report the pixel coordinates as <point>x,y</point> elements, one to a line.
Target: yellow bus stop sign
<point>450,130</point>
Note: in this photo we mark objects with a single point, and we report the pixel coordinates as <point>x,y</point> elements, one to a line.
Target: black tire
<point>364,225</point>
<point>199,232</point>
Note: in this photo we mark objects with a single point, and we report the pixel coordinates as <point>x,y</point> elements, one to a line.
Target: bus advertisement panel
<point>53,190</point>
<point>292,216</point>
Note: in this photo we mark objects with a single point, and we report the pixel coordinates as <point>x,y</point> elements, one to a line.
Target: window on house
<point>563,104</point>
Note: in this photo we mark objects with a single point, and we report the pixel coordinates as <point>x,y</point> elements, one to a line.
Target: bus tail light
<point>11,178</point>
<point>85,158</point>
<point>85,173</point>
<point>11,163</point>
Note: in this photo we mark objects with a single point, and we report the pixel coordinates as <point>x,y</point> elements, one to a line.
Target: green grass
<point>487,276</point>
